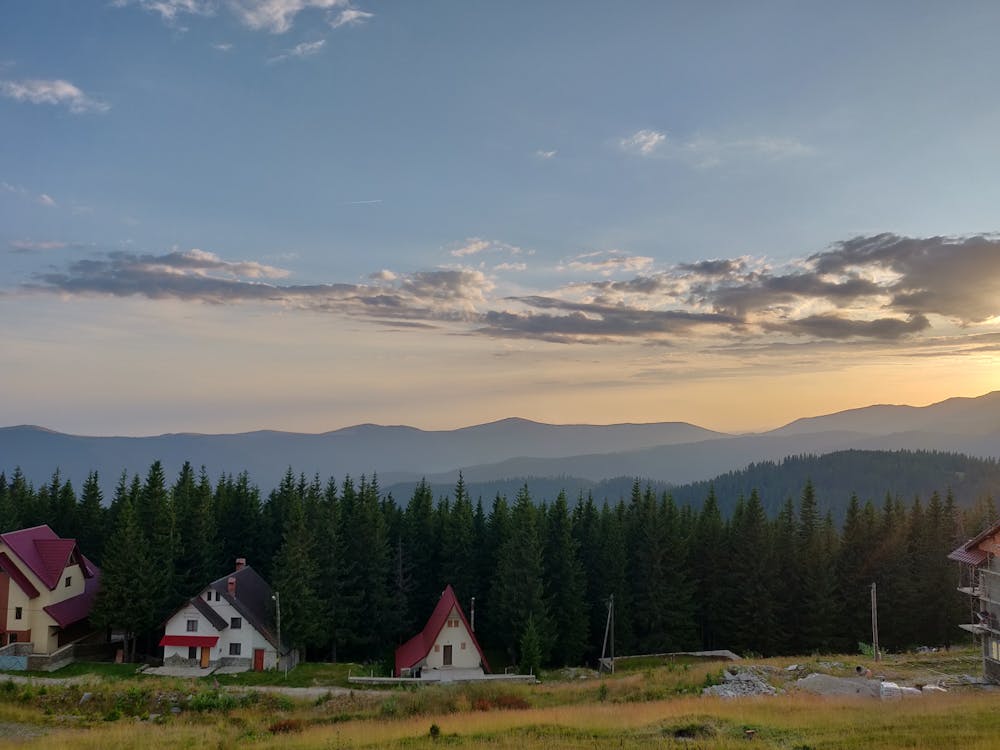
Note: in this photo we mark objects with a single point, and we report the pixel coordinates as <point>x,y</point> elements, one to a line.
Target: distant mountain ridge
<point>671,452</point>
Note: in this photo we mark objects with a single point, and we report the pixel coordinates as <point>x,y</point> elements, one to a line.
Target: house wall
<point>464,653</point>
<point>247,636</point>
<point>35,625</point>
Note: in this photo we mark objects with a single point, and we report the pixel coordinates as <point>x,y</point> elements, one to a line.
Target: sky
<point>228,215</point>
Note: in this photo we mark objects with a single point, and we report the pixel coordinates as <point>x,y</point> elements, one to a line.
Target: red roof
<point>76,607</point>
<point>189,640</point>
<point>45,553</point>
<point>7,566</point>
<point>970,552</point>
<point>416,649</point>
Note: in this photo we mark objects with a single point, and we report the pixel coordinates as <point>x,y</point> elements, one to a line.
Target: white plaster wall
<point>467,658</point>
<point>248,638</point>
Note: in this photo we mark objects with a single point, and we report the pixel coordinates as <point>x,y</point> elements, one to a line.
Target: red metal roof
<point>970,553</point>
<point>45,553</point>
<point>8,567</point>
<point>968,556</point>
<point>77,607</point>
<point>416,649</point>
<point>189,640</point>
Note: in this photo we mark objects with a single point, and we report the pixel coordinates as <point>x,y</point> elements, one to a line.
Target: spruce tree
<point>296,581</point>
<point>126,601</point>
<point>565,586</point>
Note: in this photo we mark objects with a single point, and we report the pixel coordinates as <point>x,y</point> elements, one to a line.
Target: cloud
<point>303,49</point>
<point>882,289</point>
<point>478,245</point>
<point>31,246</point>
<point>169,10</point>
<point>200,276</point>
<point>708,151</point>
<point>350,17</point>
<point>46,200</point>
<point>57,91</point>
<point>223,46</point>
<point>643,142</point>
<point>546,155</point>
<point>276,16</point>
<point>606,263</point>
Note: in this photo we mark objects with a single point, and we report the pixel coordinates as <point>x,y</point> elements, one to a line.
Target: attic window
<point>192,626</point>
<point>18,611</point>
<point>218,596</point>
<point>236,623</point>
<point>208,596</point>
<point>69,581</point>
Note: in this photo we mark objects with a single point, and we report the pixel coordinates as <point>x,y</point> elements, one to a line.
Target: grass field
<point>654,704</point>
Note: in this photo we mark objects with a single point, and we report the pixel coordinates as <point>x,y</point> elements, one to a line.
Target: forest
<point>359,572</point>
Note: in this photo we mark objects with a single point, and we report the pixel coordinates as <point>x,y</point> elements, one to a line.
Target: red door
<point>258,660</point>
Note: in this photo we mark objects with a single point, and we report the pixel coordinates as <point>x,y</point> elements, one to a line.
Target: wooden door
<point>258,660</point>
<point>447,656</point>
<point>205,652</point>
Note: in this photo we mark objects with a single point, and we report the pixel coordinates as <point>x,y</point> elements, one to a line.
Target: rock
<point>793,667</point>
<point>739,685</point>
<point>85,698</point>
<point>824,684</point>
<point>933,689</point>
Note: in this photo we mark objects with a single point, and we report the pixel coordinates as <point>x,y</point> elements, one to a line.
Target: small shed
<point>447,643</point>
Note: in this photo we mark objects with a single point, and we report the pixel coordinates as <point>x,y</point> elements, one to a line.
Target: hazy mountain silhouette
<point>671,452</point>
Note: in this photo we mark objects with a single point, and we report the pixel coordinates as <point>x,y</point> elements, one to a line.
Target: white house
<point>231,623</point>
<point>446,644</point>
<point>47,589</point>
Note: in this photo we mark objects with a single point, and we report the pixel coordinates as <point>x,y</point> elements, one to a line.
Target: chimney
<point>241,562</point>
<point>231,585</point>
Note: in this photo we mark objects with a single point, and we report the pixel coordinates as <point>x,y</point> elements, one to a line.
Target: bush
<point>285,726</point>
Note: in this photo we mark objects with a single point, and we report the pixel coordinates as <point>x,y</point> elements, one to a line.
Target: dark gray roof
<point>252,600</point>
<point>217,620</point>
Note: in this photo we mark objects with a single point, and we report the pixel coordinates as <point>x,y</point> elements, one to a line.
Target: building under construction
<point>980,579</point>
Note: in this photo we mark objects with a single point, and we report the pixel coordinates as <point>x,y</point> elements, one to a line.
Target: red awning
<point>204,641</point>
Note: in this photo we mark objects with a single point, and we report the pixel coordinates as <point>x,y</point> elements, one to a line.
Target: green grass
<point>304,675</point>
<point>654,705</point>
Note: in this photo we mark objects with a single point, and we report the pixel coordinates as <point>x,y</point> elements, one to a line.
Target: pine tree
<point>708,555</point>
<point>125,601</point>
<point>295,580</point>
<point>519,593</point>
<point>155,514</point>
<point>565,586</point>
<point>90,516</point>
<point>754,609</point>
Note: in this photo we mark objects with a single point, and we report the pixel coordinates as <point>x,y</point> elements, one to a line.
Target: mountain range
<point>672,453</point>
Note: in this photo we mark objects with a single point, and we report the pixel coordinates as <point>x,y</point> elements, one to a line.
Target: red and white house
<point>447,644</point>
<point>229,624</point>
<point>47,589</point>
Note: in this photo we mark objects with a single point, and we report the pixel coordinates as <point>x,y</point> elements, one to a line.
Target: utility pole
<point>875,648</point>
<point>277,609</point>
<point>609,628</point>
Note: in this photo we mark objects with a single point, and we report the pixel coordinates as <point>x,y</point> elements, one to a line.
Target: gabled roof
<point>78,607</point>
<point>46,554</point>
<point>416,649</point>
<point>970,552</point>
<point>253,600</point>
<point>217,621</point>
<point>9,567</point>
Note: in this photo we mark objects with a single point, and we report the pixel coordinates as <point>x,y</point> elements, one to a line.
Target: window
<point>192,626</point>
<point>69,581</point>
<point>218,596</point>
<point>437,647</point>
<point>463,645</point>
<point>208,596</point>
<point>234,649</point>
<point>192,652</point>
<point>12,638</point>
<point>18,611</point>
<point>236,623</point>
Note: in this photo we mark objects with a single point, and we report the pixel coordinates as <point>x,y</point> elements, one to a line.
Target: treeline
<point>358,572</point>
